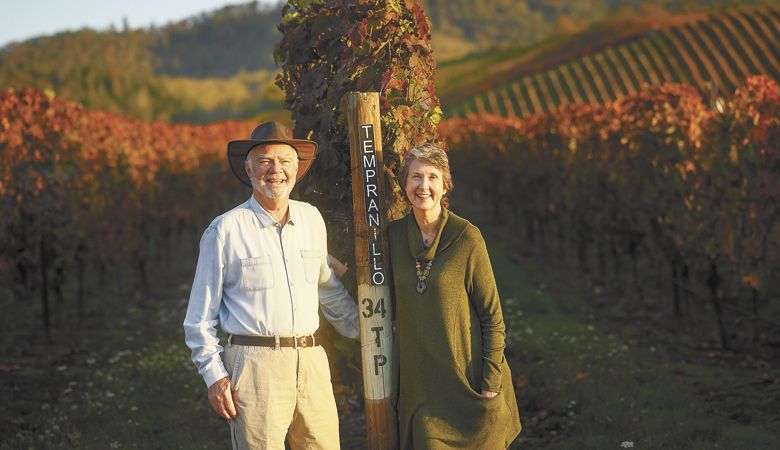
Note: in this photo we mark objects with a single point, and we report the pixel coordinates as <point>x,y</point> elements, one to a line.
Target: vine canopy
<point>331,47</point>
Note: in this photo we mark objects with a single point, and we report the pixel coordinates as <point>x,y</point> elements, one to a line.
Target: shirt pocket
<point>311,265</point>
<point>257,273</point>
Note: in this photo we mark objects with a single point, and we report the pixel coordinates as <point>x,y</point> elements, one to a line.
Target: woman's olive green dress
<point>450,341</point>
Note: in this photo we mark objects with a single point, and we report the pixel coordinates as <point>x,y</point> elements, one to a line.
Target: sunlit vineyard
<point>92,192</point>
<point>715,53</point>
<point>625,176</point>
<point>658,176</point>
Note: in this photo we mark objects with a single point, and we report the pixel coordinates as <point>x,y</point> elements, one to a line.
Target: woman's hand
<point>338,267</point>
<point>488,394</point>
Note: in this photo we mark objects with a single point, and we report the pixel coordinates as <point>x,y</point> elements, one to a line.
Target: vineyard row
<point>92,192</point>
<point>658,174</point>
<point>716,53</point>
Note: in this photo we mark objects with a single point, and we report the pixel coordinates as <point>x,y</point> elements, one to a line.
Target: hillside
<point>219,64</point>
<point>714,52</point>
<point>213,66</point>
<point>222,43</point>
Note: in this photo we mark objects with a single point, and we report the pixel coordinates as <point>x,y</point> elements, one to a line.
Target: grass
<point>124,381</point>
<point>586,384</point>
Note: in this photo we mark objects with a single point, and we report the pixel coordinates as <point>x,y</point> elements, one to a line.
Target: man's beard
<point>267,190</point>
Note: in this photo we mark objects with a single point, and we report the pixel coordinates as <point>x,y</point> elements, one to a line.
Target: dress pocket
<point>311,265</point>
<point>474,393</point>
<point>482,398</point>
<point>257,273</point>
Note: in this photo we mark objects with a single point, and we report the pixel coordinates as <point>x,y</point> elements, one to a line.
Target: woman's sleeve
<point>483,293</point>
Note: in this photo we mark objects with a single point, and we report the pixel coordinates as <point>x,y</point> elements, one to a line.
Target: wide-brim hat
<point>271,132</point>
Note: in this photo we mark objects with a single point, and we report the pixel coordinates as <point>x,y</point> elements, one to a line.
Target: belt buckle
<point>277,344</point>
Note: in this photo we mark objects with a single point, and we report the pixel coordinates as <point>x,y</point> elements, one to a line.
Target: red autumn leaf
<point>386,78</point>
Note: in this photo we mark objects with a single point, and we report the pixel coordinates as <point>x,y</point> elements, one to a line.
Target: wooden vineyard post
<point>371,264</point>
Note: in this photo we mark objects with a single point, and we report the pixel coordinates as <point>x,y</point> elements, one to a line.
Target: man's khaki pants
<point>281,390</point>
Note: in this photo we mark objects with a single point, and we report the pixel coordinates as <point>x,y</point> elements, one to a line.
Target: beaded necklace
<point>422,286</point>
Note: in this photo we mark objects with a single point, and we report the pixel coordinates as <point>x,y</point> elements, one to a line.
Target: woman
<point>455,385</point>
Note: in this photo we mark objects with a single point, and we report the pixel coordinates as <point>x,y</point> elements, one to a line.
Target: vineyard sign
<point>371,200</point>
<point>376,332</point>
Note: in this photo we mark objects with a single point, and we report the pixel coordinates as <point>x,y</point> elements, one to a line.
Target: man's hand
<point>488,394</point>
<point>223,400</point>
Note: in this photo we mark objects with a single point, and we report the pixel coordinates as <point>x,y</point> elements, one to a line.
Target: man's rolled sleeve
<point>337,305</point>
<point>200,323</point>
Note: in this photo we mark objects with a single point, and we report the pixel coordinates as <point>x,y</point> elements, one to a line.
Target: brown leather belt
<point>274,341</point>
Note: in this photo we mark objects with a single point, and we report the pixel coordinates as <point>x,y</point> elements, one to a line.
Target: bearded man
<point>262,275</point>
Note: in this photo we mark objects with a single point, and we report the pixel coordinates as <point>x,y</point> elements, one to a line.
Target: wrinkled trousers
<point>282,391</point>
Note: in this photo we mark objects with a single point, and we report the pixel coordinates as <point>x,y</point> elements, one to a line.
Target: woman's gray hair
<point>434,155</point>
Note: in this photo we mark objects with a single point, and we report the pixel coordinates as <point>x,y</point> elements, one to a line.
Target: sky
<point>24,19</point>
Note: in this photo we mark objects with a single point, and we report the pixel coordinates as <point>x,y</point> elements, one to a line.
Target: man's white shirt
<point>257,278</point>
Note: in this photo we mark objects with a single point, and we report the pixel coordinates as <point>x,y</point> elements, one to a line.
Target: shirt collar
<point>265,218</point>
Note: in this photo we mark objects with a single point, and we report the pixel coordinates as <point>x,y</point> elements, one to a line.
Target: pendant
<point>421,286</point>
